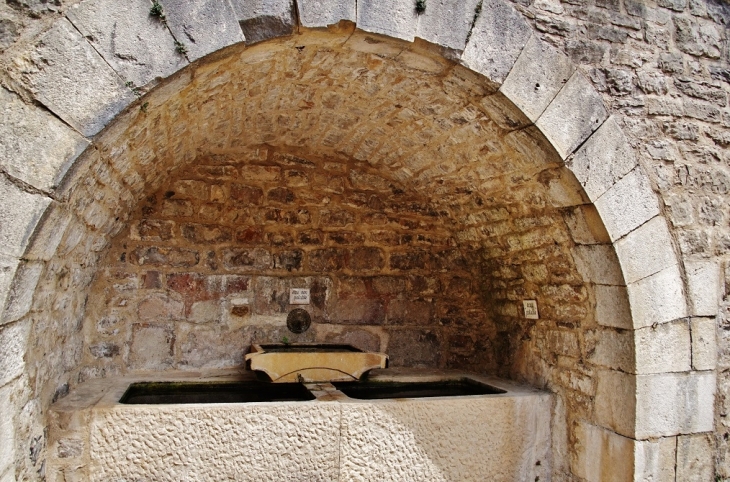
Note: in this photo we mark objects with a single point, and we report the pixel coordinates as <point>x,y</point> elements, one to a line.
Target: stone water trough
<point>396,424</point>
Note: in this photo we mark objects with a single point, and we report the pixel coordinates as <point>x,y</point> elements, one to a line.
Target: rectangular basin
<point>202,392</point>
<point>379,390</point>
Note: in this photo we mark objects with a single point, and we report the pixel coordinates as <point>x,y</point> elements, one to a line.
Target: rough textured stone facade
<point>625,367</point>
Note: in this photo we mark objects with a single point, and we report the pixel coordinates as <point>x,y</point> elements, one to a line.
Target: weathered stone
<point>176,257</point>
<point>8,267</point>
<point>627,204</point>
<point>318,13</point>
<point>413,348</point>
<point>69,448</point>
<point>585,225</point>
<point>695,38</point>
<point>703,283</point>
<point>192,21</point>
<point>262,19</point>
<point>19,214</point>
<point>137,45</point>
<point>612,307</point>
<point>356,311</point>
<point>645,250</point>
<point>572,116</point>
<point>397,19</point>
<point>158,307</point>
<point>152,346</point>
<point>655,459</point>
<point>448,22</point>
<point>247,259</point>
<point>537,77</point>
<point>664,348</point>
<point>613,349</point>
<point>366,258</point>
<point>673,403</point>
<point>35,147</point>
<point>704,343</point>
<point>615,401</point>
<point>499,35</point>
<point>328,259</point>
<point>695,457</point>
<point>657,298</point>
<point>7,435</point>
<point>103,350</point>
<point>359,338</point>
<point>585,52</point>
<point>204,312</point>
<point>72,80</point>
<point>598,264</point>
<point>20,295</point>
<point>210,347</point>
<point>602,454</point>
<point>14,340</point>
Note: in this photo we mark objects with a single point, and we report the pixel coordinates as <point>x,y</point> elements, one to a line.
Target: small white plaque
<point>530,309</point>
<point>299,296</point>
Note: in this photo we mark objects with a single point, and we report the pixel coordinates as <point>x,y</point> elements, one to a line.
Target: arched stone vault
<point>482,77</point>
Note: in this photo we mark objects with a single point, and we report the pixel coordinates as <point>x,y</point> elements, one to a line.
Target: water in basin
<point>217,392</point>
<point>375,390</point>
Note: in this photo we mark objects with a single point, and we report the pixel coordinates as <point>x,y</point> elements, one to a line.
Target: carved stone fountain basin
<point>311,363</point>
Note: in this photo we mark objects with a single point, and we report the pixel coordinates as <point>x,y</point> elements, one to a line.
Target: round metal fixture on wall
<point>298,320</point>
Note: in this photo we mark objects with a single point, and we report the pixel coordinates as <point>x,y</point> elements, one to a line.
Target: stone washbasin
<point>312,362</point>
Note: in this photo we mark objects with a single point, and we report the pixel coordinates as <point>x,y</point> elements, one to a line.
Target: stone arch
<point>527,94</point>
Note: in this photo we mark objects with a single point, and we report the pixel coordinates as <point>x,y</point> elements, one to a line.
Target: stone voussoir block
<point>447,22</point>
<point>321,13</point>
<point>397,18</point>
<point>19,215</point>
<point>573,115</point>
<point>137,45</point>
<point>20,295</point>
<point>646,250</point>
<point>73,80</point>
<point>536,78</point>
<point>13,339</point>
<point>35,146</point>
<point>499,35</point>
<point>603,159</point>
<point>598,263</point>
<point>674,403</point>
<point>627,204</point>
<point>663,348</point>
<point>192,21</point>
<point>658,298</point>
<point>265,19</point>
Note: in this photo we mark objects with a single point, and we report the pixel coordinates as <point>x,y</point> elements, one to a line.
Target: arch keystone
<point>321,13</point>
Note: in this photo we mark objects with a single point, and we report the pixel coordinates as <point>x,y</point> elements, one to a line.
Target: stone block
<point>612,307</point>
<point>152,346</point>
<point>673,403</point>
<point>703,283</point>
<point>499,35</point>
<point>585,225</point>
<point>646,250</point>
<point>69,77</point>
<point>536,78</point>
<point>615,401</point>
<point>35,146</point>
<point>320,13</point>
<point>8,267</point>
<point>447,22</point>
<point>573,115</point>
<point>48,233</point>
<point>204,311</point>
<point>138,46</point>
<point>19,214</point>
<point>395,19</point>
<point>20,295</point>
<point>612,349</point>
<point>603,159</point>
<point>695,457</point>
<point>663,348</point>
<point>14,341</point>
<point>597,263</point>
<point>602,455</point>
<point>627,204</point>
<point>655,460</point>
<point>657,298</point>
<point>414,348</point>
<point>564,190</point>
<point>704,343</point>
<point>264,19</point>
<point>504,112</point>
<point>192,21</point>
<point>7,432</point>
<point>159,306</point>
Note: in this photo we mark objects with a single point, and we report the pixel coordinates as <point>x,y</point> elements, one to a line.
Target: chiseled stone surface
<point>67,75</point>
<point>397,18</point>
<point>447,22</point>
<point>627,204</point>
<point>499,35</point>
<point>657,298</point>
<point>646,250</point>
<point>264,19</point>
<point>612,307</point>
<point>664,348</point>
<point>40,162</point>
<point>598,263</point>
<point>137,45</point>
<point>215,442</point>
<point>572,116</point>
<point>19,213</point>
<point>192,21</point>
<point>655,459</point>
<point>320,13</point>
<point>501,438</point>
<point>536,78</point>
